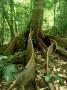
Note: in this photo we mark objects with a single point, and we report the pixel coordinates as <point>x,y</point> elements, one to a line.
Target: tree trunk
<point>11,3</point>
<point>37,16</point>
<point>10,22</point>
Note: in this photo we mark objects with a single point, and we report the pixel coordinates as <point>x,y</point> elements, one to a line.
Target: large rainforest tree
<point>35,25</point>
<point>26,43</point>
<point>35,31</point>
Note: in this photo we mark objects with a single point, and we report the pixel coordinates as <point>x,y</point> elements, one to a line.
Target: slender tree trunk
<point>12,18</point>
<point>16,29</point>
<point>10,22</point>
<point>3,20</point>
<point>54,14</point>
<point>2,29</point>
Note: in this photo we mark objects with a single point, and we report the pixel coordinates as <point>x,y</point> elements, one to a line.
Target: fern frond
<point>9,72</point>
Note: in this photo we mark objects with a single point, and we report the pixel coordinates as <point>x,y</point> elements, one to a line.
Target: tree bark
<point>37,16</point>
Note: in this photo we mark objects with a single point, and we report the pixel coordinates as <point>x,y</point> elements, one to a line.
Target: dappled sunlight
<point>22,1</point>
<point>49,20</point>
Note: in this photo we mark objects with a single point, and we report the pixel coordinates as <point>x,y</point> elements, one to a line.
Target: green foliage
<point>9,72</point>
<point>48,4</point>
<point>22,15</point>
<point>3,63</point>
<point>61,81</point>
<point>48,78</point>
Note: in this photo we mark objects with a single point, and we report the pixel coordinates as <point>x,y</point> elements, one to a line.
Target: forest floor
<point>55,80</point>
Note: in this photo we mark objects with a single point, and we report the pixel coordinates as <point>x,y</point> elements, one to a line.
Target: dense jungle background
<point>33,44</point>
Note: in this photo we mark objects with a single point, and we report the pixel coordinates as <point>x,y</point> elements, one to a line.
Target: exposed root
<point>28,74</point>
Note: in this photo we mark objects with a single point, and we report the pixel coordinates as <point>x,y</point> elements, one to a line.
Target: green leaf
<point>61,81</point>
<point>47,77</point>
